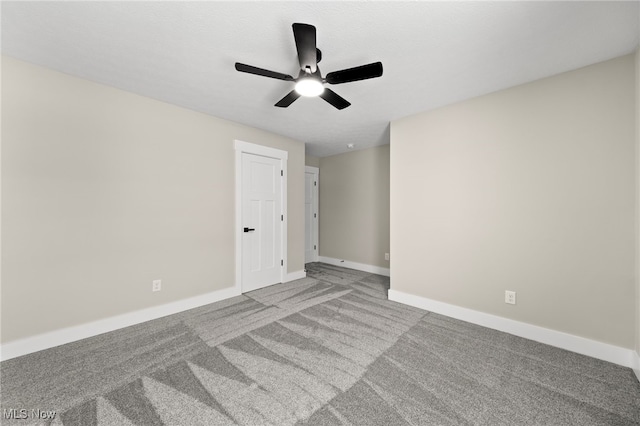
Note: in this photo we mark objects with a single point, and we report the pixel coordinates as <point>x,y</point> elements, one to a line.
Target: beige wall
<point>354,206</point>
<point>312,161</point>
<point>104,191</point>
<point>529,189</point>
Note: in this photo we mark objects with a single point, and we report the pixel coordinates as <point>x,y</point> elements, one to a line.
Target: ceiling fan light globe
<point>309,87</point>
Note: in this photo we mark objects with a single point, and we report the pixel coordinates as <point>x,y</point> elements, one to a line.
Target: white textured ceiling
<point>434,53</point>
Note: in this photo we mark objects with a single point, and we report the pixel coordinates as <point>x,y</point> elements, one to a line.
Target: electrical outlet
<point>510,297</point>
<point>386,256</point>
<point>157,285</point>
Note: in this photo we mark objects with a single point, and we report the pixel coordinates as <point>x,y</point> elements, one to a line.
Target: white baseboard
<point>355,265</point>
<point>636,364</point>
<point>292,276</point>
<point>71,334</point>
<point>570,342</point>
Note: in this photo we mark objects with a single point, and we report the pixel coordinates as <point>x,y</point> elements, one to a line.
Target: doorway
<point>261,220</point>
<point>311,179</point>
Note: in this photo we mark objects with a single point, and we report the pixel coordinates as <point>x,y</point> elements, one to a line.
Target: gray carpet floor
<point>329,349</point>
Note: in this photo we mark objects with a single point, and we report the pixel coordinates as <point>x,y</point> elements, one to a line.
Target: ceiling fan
<point>309,81</point>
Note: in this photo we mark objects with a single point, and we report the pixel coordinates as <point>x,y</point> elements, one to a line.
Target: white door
<point>261,221</point>
<point>311,214</point>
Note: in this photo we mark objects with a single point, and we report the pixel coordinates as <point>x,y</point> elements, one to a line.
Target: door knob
<point>249,229</point>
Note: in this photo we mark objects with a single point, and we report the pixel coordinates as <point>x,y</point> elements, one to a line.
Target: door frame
<point>240,148</point>
<point>316,189</point>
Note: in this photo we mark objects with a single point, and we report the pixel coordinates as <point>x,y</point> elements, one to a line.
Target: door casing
<point>251,148</point>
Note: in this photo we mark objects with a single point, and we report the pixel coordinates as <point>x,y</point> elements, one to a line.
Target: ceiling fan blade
<point>305,36</point>
<point>334,99</point>
<point>362,72</point>
<point>260,71</point>
<point>288,100</point>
